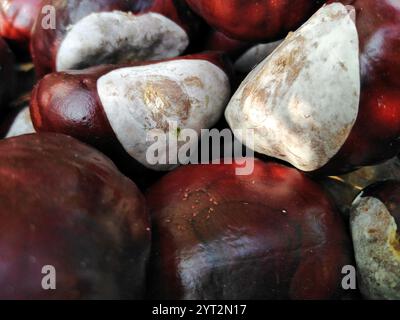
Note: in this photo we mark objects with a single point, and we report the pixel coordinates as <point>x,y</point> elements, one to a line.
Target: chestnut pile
<point>84,212</point>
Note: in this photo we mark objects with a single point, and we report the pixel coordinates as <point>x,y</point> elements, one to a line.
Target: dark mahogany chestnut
<point>327,100</point>
<point>92,32</point>
<point>375,221</point>
<point>255,20</point>
<point>64,204</point>
<point>17,18</point>
<point>272,234</point>
<point>115,107</point>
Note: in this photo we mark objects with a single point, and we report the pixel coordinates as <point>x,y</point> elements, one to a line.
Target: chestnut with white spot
<point>115,107</point>
<point>92,32</point>
<point>327,99</point>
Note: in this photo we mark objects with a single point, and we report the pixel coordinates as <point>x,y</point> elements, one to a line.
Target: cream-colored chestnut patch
<point>114,37</point>
<point>22,124</point>
<point>192,94</point>
<point>302,101</point>
<point>376,249</point>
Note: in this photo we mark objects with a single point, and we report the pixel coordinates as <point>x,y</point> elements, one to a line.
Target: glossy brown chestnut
<point>269,235</point>
<point>353,119</point>
<point>82,103</point>
<point>375,219</point>
<point>84,36</point>
<point>17,18</point>
<point>255,20</point>
<point>65,205</point>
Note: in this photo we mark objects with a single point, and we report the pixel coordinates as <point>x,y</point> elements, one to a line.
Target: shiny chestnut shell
<point>65,204</point>
<point>269,235</point>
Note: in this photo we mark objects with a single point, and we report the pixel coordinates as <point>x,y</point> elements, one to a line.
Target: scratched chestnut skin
<point>7,75</point>
<point>255,20</point>
<point>64,204</point>
<point>17,18</point>
<point>68,103</point>
<point>269,235</point>
<point>46,42</point>
<point>375,135</point>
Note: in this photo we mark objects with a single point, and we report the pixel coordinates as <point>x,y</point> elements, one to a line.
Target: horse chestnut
<point>92,32</point>
<point>328,99</point>
<point>115,107</point>
<point>272,234</point>
<point>65,205</point>
<point>375,219</point>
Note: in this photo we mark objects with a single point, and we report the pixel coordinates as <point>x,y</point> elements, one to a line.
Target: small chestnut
<point>272,234</point>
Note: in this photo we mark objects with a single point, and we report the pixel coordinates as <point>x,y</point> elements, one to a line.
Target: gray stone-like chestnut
<point>375,219</point>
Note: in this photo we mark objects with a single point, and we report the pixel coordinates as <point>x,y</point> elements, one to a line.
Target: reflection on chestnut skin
<point>272,234</point>
<point>64,204</point>
<point>255,20</point>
